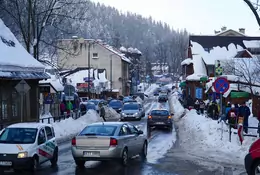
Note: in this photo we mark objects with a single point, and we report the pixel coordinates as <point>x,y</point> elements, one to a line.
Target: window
<point>160,112</point>
<point>124,130</point>
<point>18,135</point>
<point>94,55</point>
<point>15,103</point>
<point>41,137</point>
<point>133,129</point>
<point>49,133</point>
<point>99,130</point>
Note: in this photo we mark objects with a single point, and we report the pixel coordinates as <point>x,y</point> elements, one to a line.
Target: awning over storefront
<point>239,95</point>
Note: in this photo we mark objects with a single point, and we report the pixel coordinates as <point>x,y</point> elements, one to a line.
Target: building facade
<point>97,55</point>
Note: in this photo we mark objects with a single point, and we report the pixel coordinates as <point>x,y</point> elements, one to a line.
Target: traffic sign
<point>221,85</point>
<point>22,87</point>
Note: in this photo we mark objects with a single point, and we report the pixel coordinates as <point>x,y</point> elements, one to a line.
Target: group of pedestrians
<point>236,112</point>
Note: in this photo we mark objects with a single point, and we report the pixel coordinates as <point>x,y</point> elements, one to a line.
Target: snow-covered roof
<point>115,51</point>
<point>54,81</point>
<point>13,55</point>
<point>187,61</point>
<point>252,43</point>
<point>199,69</point>
<point>123,49</point>
<point>216,53</point>
<point>134,50</point>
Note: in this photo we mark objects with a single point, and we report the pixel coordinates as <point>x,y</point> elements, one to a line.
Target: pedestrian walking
<point>102,111</point>
<point>244,111</point>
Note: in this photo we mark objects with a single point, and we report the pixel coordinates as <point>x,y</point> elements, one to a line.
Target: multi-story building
<point>79,52</point>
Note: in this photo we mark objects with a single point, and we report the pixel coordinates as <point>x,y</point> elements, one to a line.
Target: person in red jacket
<point>232,117</point>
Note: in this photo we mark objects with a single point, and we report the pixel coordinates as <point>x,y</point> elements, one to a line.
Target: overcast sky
<point>197,16</point>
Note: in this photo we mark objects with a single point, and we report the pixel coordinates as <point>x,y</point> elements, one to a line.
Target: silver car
<point>131,111</point>
<point>108,140</point>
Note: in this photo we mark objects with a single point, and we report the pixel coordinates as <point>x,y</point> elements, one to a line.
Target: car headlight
<point>122,113</point>
<point>22,155</point>
<point>136,114</point>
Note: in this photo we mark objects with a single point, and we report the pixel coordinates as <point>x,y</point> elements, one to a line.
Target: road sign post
<point>22,88</point>
<point>221,86</point>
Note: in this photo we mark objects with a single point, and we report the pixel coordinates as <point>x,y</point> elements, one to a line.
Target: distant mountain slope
<point>156,40</point>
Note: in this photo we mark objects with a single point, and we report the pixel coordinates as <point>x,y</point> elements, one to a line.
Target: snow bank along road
<point>159,142</point>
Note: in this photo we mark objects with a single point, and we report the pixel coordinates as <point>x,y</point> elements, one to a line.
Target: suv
<point>27,145</point>
<point>131,111</point>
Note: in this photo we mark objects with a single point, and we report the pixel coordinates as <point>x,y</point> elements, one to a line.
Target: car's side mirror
<point>172,113</point>
<point>140,132</point>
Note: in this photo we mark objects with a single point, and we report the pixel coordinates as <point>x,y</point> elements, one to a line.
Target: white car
<point>27,145</point>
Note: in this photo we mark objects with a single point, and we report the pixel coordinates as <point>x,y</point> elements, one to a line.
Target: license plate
<point>5,163</point>
<point>91,154</point>
<point>159,123</point>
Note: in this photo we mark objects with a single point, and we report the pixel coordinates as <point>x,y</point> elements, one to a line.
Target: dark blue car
<point>116,105</point>
<point>85,106</point>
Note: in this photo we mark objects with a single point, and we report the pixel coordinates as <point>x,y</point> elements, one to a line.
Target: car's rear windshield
<point>160,112</point>
<point>18,135</point>
<point>115,104</point>
<point>94,101</point>
<point>99,130</point>
<point>131,107</point>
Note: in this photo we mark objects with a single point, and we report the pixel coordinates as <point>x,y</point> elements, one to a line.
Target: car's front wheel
<point>143,153</point>
<point>124,158</point>
<point>256,168</point>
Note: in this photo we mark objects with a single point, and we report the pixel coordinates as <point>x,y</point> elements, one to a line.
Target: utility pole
<point>89,45</point>
<point>111,69</point>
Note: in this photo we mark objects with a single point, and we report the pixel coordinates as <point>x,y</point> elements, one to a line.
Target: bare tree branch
<point>254,10</point>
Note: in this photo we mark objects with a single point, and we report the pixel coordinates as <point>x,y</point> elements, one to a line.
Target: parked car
<point>131,111</point>
<point>160,118</point>
<point>116,105</point>
<point>96,102</point>
<point>156,93</point>
<point>141,108</point>
<point>162,98</point>
<point>83,99</point>
<point>128,98</point>
<point>85,106</point>
<point>108,141</point>
<point>24,146</point>
<point>252,159</point>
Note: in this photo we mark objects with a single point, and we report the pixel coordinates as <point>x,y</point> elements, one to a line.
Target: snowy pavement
<point>205,142</point>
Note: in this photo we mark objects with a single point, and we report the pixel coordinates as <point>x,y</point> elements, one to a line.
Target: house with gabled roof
<point>204,51</point>
<point>102,56</point>
<point>17,64</point>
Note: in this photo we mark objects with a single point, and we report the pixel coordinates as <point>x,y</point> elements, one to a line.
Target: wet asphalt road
<point>174,162</point>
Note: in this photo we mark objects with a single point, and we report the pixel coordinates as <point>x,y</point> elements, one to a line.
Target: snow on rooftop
<point>117,52</point>
<point>216,53</point>
<point>187,61</point>
<point>13,54</point>
<point>198,67</point>
<point>252,43</point>
<point>54,81</point>
<point>123,49</point>
<point>79,76</point>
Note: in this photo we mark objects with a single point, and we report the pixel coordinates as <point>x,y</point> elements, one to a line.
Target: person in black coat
<point>244,111</point>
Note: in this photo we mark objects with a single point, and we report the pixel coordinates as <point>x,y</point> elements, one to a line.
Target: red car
<point>252,159</point>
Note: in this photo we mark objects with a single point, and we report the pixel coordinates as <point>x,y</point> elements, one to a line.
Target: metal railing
<point>48,120</point>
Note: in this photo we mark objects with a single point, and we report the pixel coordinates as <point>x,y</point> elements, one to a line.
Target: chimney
<point>242,30</point>
<point>216,32</point>
<point>224,28</point>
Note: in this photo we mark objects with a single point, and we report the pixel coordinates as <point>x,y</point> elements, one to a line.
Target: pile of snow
<point>203,136</point>
<point>175,106</point>
<point>111,114</point>
<point>150,90</point>
<point>138,99</point>
<point>69,126</point>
